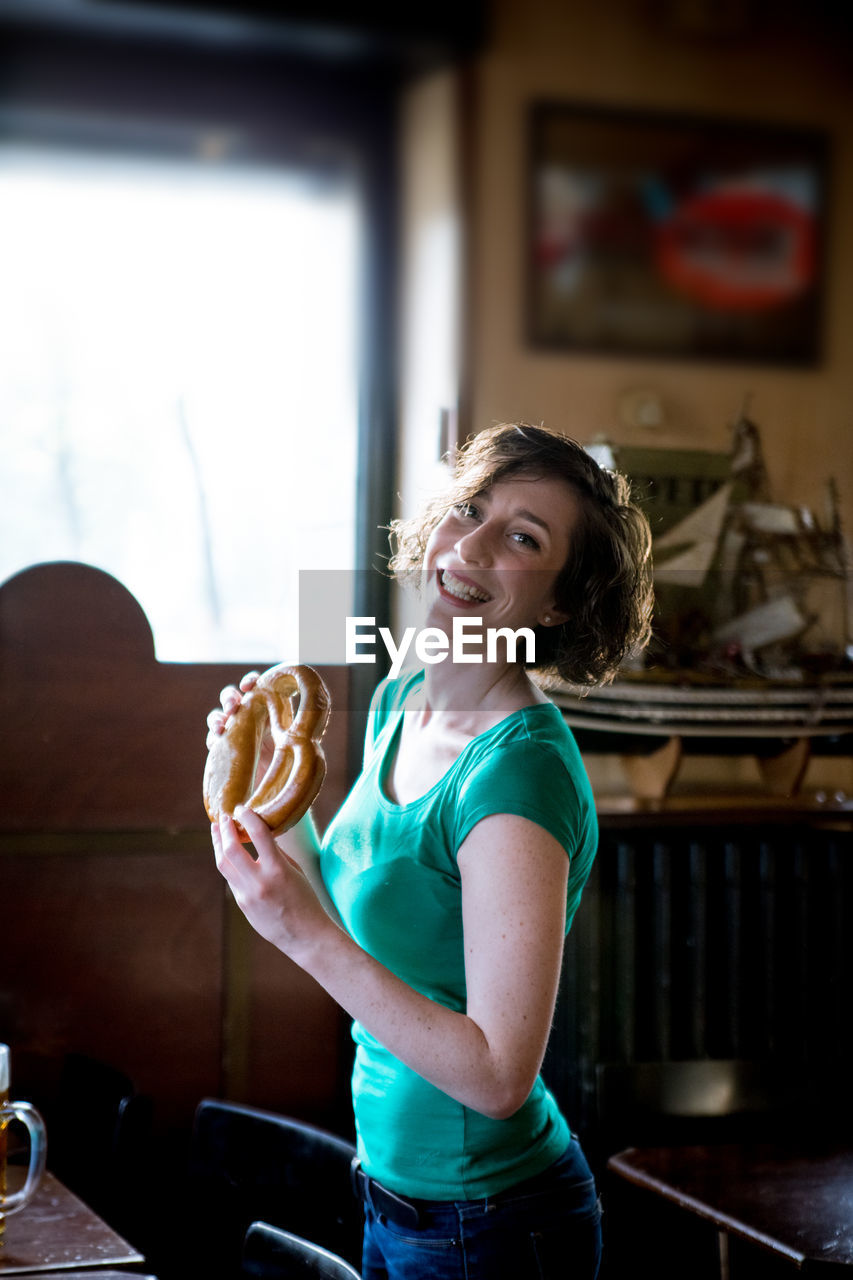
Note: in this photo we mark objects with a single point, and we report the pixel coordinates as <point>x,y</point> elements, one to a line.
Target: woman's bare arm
<point>513,900</point>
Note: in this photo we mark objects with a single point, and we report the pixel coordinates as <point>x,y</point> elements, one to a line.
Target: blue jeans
<point>547,1228</point>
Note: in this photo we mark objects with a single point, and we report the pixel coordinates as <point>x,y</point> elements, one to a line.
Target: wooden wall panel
<point>297,1047</point>
<point>102,736</point>
<point>118,954</point>
<point>120,939</point>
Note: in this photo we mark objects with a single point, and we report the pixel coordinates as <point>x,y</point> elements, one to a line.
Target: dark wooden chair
<point>248,1165</point>
<point>269,1253</point>
<point>99,1141</point>
<point>700,1100</point>
<point>685,1103</point>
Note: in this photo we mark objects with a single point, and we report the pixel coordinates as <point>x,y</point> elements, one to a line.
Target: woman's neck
<point>476,695</point>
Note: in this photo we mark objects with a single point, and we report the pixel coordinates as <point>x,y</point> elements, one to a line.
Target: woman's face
<point>498,556</point>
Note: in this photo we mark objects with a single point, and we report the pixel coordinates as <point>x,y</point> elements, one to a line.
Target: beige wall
<point>621,52</point>
<point>463,147</point>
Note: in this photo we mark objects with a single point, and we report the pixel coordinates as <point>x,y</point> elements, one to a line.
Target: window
<point>179,387</point>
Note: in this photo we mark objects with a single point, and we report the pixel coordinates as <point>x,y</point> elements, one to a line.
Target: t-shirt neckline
<point>396,721</point>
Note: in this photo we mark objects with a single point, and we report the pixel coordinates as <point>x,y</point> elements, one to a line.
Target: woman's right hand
<point>231,699</point>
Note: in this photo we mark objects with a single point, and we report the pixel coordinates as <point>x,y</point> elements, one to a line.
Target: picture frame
<point>655,234</point>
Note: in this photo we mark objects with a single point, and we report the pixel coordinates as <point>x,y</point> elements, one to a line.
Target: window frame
<point>166,90</point>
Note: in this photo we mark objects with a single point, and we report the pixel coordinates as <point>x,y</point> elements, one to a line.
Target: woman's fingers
<point>271,889</point>
<point>217,840</point>
<point>222,832</point>
<point>230,699</point>
<point>232,695</point>
<point>256,829</point>
<point>232,856</point>
<point>227,843</point>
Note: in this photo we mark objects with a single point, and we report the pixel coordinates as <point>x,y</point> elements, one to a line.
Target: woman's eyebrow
<point>524,514</point>
<point>483,496</point>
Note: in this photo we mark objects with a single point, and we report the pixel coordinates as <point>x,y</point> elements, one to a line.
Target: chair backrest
<point>99,1139</point>
<point>247,1164</point>
<point>270,1253</point>
<point>667,1103</point>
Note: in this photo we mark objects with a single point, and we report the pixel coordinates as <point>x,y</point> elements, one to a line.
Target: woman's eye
<point>526,540</point>
<point>466,509</point>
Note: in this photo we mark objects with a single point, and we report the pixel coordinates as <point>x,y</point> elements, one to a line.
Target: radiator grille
<point>696,943</point>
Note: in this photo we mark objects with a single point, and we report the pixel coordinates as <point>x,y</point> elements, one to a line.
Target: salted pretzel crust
<point>296,772</point>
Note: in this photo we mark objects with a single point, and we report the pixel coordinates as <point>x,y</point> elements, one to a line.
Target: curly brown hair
<point>605,586</point>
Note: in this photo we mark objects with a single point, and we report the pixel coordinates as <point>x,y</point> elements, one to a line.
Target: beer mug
<point>12,1201</point>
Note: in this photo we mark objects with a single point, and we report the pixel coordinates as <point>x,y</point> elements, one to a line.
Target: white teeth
<point>462,590</point>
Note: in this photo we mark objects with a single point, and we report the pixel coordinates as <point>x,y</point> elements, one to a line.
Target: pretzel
<point>298,767</point>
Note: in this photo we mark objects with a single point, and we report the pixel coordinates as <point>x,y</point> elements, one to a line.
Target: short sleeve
<point>532,780</point>
<point>528,780</point>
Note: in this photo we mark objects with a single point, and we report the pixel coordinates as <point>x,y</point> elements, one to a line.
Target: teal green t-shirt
<point>391,872</point>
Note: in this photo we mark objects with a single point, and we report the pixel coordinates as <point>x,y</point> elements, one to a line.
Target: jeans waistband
<point>405,1212</point>
<point>398,1209</point>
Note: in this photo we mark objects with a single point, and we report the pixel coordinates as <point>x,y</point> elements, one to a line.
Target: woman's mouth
<point>461,588</point>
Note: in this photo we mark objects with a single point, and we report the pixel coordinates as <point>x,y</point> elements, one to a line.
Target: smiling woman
<point>167,329</point>
<point>603,586</point>
<point>436,906</point>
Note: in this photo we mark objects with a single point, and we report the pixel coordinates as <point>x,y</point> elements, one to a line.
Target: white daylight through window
<point>179,386</point>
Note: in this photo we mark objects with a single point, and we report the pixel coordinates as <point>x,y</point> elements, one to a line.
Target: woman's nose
<point>474,547</point>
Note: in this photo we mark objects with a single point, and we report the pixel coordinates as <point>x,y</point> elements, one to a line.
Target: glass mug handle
<point>29,1117</point>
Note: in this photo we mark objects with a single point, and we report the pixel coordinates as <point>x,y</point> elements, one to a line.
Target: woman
<point>455,865</point>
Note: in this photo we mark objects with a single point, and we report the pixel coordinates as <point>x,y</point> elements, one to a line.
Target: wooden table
<point>796,1202</point>
<point>56,1232</point>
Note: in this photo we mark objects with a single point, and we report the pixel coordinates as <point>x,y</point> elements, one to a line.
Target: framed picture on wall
<point>662,235</point>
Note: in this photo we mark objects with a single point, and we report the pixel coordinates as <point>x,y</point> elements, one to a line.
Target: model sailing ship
<point>752,629</point>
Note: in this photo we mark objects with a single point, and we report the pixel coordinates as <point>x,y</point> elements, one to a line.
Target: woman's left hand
<point>271,890</point>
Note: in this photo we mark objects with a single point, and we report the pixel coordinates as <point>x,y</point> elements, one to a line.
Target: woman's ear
<point>552,617</point>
